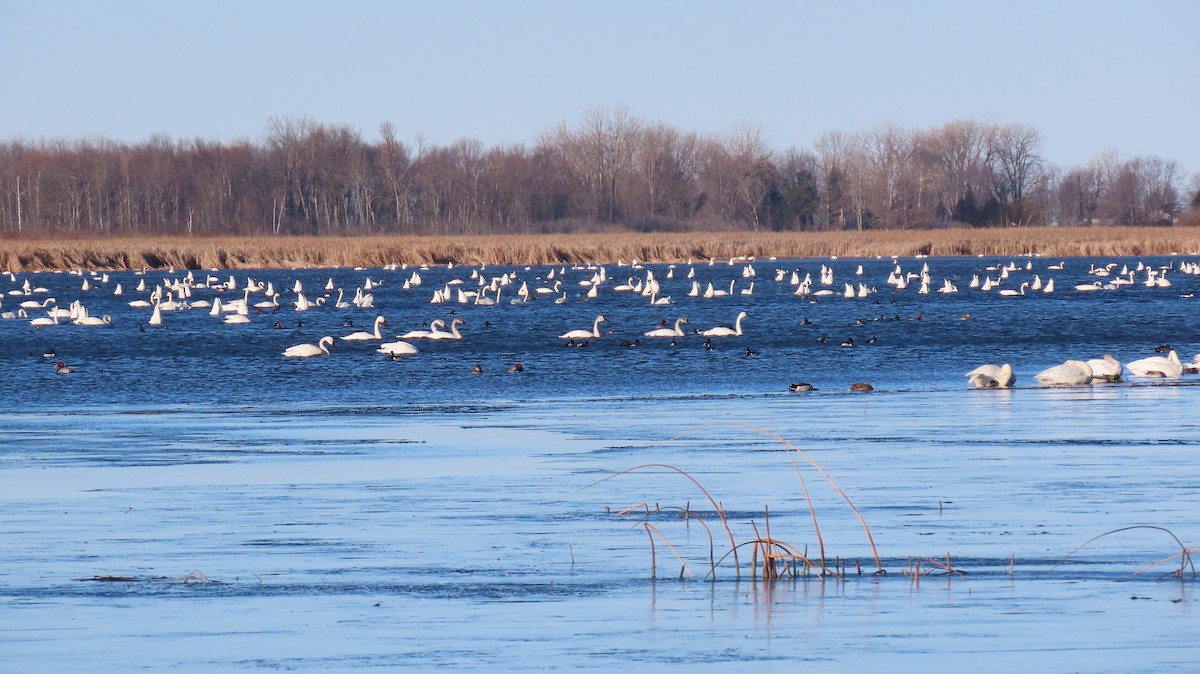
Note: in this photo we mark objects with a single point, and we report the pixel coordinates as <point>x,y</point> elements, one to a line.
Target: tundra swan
<point>399,348</point>
<point>424,334</point>
<point>85,319</point>
<point>669,332</point>
<point>308,350</point>
<point>453,334</point>
<point>43,321</point>
<point>991,376</point>
<point>584,334</point>
<point>364,336</point>
<point>1070,373</point>
<point>1106,368</point>
<point>1157,366</point>
<point>724,331</point>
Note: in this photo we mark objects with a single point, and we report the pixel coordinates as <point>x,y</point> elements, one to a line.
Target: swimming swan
<point>364,336</point>
<point>424,334</point>
<point>668,332</point>
<point>991,376</point>
<point>723,331</point>
<point>1157,366</point>
<point>584,334</point>
<point>308,350</point>
<point>1070,373</point>
<point>397,348</point>
<point>453,334</point>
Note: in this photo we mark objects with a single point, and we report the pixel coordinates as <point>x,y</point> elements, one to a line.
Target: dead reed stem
<point>791,448</point>
<point>720,512</point>
<point>1184,556</point>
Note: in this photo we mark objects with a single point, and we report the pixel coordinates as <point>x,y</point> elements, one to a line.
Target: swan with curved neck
<point>309,350</point>
<point>1157,366</point>
<point>725,331</point>
<point>434,326</point>
<point>669,332</point>
<point>364,336</point>
<point>453,334</point>
<point>585,334</point>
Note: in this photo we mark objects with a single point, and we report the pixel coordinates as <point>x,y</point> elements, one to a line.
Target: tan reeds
<point>116,253</point>
<point>1184,556</point>
<point>716,507</point>
<point>793,451</point>
<point>770,550</point>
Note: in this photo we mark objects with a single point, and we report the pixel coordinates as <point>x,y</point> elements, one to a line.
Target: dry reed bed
<point>286,252</point>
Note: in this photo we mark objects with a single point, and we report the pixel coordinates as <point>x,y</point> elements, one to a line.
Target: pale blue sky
<point>1091,75</point>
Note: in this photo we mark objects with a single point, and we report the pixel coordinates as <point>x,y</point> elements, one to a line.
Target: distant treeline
<point>611,172</point>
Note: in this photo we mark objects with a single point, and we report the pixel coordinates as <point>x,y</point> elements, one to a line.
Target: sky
<point>1093,76</point>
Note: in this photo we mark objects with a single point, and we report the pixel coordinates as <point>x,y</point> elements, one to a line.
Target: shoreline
<point>132,253</point>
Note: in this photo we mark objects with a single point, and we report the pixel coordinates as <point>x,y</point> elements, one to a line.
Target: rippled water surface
<point>352,511</point>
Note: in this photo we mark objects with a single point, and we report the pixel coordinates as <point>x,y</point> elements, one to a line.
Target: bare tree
<point>1016,150</point>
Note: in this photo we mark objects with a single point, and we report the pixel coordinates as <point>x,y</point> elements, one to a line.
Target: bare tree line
<point>611,172</point>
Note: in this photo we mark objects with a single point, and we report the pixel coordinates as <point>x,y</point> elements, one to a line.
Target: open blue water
<point>359,512</point>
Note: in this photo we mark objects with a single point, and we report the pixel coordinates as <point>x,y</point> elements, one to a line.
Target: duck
<point>991,376</point>
<point>517,367</point>
<point>309,350</point>
<point>61,368</point>
<point>1070,373</point>
<point>801,387</point>
<point>861,386</point>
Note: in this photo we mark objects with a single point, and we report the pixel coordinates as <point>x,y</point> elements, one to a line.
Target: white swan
<point>584,334</point>
<point>1009,292</point>
<point>399,348</point>
<point>668,332</point>
<point>364,336</point>
<point>42,321</point>
<point>85,319</point>
<point>1070,373</point>
<point>453,334</point>
<point>308,350</point>
<point>424,334</point>
<point>1106,368</point>
<point>991,376</point>
<point>236,319</point>
<point>268,304</point>
<point>1157,366</point>
<point>724,331</point>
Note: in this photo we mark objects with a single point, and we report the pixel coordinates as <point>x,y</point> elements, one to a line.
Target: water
<point>356,512</point>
